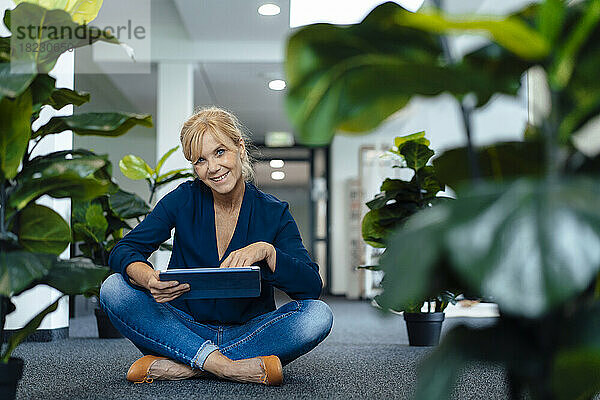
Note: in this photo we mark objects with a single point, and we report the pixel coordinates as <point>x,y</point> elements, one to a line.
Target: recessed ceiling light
<point>276,163</point>
<point>277,175</point>
<point>277,84</point>
<point>269,9</point>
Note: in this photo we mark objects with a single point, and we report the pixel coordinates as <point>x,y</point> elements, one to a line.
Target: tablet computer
<point>216,283</point>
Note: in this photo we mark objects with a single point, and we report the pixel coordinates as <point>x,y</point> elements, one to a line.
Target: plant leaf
<point>12,84</point>
<point>550,19</point>
<point>510,32</point>
<point>580,100</point>
<point>21,334</point>
<point>84,233</point>
<point>96,222</point>
<point>170,174</point>
<point>400,141</point>
<point>175,177</point>
<point>530,245</point>
<point>412,255</point>
<point>562,69</point>
<point>429,182</point>
<point>83,11</point>
<point>163,159</point>
<point>57,34</point>
<point>127,205</point>
<point>41,89</point>
<point>43,230</point>
<point>75,276</point>
<point>76,174</point>
<point>499,162</point>
<point>47,4</point>
<point>78,210</point>
<point>135,167</point>
<point>100,124</point>
<point>372,232</point>
<point>61,97</point>
<point>15,131</point>
<point>18,269</point>
<point>397,190</point>
<point>416,155</point>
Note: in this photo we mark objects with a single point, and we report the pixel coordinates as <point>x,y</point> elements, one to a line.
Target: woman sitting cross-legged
<point>220,219</point>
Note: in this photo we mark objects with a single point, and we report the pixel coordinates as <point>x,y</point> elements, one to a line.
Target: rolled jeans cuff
<point>203,353</point>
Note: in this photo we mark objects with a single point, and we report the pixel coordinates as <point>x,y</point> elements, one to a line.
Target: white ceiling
<point>232,19</point>
<point>232,74</point>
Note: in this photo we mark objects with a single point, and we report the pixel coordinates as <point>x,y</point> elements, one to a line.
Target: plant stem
<point>465,111</point>
<point>550,135</point>
<point>30,152</point>
<point>103,254</point>
<point>3,310</point>
<point>2,320</point>
<point>418,182</point>
<point>2,207</point>
<point>473,164</point>
<point>152,191</point>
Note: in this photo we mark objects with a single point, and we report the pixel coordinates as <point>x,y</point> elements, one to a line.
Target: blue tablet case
<point>216,283</point>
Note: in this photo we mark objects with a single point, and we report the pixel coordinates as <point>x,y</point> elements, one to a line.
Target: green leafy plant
<point>525,228</point>
<point>399,199</point>
<point>136,168</point>
<point>32,235</point>
<point>100,223</point>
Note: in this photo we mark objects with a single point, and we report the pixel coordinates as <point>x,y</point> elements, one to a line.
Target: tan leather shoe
<point>147,369</point>
<point>138,372</point>
<point>273,370</point>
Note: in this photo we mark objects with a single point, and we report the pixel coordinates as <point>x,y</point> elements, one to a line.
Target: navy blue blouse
<point>190,210</point>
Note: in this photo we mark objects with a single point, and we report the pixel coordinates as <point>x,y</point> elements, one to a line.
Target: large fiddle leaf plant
<point>32,235</point>
<point>525,228</point>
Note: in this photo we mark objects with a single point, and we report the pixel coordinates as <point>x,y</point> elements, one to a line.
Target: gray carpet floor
<point>366,356</point>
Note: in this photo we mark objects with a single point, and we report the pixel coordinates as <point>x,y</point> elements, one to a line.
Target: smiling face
<point>219,165</point>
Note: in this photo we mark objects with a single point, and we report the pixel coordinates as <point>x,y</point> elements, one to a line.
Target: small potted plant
<point>97,225</point>
<point>100,223</point>
<point>399,199</point>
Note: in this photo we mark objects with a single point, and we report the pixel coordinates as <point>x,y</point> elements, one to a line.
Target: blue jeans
<point>161,329</point>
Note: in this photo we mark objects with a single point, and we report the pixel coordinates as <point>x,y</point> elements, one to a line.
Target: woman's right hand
<point>164,291</point>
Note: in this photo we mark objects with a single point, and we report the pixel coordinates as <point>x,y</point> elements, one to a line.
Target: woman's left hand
<point>251,254</point>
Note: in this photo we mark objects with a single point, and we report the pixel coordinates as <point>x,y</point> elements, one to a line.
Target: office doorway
<point>298,175</point>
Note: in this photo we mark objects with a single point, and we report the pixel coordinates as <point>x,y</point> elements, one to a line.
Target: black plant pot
<point>10,374</point>
<point>424,328</point>
<point>106,330</point>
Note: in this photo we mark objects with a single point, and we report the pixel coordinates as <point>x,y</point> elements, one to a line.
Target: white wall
<point>141,141</point>
<point>503,119</point>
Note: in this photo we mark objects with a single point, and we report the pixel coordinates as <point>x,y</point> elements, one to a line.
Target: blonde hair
<point>224,127</point>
